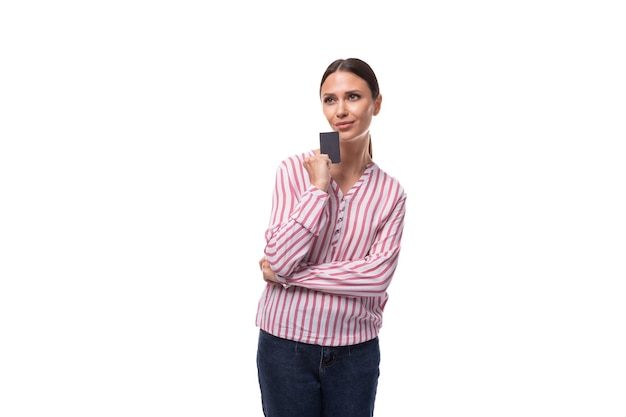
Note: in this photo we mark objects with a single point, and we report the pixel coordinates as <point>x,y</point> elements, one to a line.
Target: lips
<point>343,125</point>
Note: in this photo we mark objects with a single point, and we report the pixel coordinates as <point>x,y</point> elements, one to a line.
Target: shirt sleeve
<point>363,277</point>
<point>297,217</point>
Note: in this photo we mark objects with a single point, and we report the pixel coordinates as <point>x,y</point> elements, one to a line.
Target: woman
<point>332,249</point>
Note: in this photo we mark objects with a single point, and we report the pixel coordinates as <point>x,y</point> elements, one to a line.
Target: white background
<point>139,142</point>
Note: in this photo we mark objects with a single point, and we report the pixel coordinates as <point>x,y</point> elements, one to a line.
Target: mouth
<point>343,125</point>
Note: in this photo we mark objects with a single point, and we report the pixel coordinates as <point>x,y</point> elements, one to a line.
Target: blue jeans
<point>301,380</point>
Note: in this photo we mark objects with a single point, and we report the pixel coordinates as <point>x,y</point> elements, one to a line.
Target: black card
<point>329,145</point>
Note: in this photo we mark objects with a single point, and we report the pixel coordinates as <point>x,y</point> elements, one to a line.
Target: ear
<point>377,104</point>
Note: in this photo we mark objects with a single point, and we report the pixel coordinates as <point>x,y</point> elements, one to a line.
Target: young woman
<point>332,249</point>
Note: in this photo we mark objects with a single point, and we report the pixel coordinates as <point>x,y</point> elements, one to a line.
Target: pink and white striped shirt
<point>335,255</point>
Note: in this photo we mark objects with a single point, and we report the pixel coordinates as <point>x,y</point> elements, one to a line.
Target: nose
<point>341,109</point>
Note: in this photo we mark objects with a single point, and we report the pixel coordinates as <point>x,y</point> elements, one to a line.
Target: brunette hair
<point>359,68</point>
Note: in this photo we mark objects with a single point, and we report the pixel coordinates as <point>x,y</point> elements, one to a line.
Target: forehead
<point>341,81</point>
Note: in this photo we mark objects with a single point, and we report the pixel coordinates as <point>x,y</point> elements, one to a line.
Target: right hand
<point>268,275</point>
<point>318,167</point>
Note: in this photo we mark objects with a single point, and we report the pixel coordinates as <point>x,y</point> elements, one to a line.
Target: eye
<point>354,96</point>
<point>329,100</point>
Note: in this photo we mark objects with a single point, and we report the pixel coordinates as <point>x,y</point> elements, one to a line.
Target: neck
<point>354,165</point>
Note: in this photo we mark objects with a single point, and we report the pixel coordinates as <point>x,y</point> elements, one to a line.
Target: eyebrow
<point>346,93</point>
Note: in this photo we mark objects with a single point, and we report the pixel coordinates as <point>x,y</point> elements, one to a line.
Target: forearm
<point>365,278</point>
<point>289,241</point>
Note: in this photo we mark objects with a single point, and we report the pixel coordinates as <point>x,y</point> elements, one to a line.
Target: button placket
<point>340,214</point>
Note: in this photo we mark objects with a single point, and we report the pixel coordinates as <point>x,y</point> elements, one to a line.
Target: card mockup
<point>329,145</point>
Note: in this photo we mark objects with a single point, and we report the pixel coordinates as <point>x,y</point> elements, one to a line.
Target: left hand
<point>268,275</point>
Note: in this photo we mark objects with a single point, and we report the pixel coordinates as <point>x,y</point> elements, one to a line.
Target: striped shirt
<point>335,255</point>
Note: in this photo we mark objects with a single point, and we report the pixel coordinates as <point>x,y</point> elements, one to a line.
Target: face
<point>348,105</point>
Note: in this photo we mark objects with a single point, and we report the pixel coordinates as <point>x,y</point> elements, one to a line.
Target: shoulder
<point>386,184</point>
<point>391,182</point>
